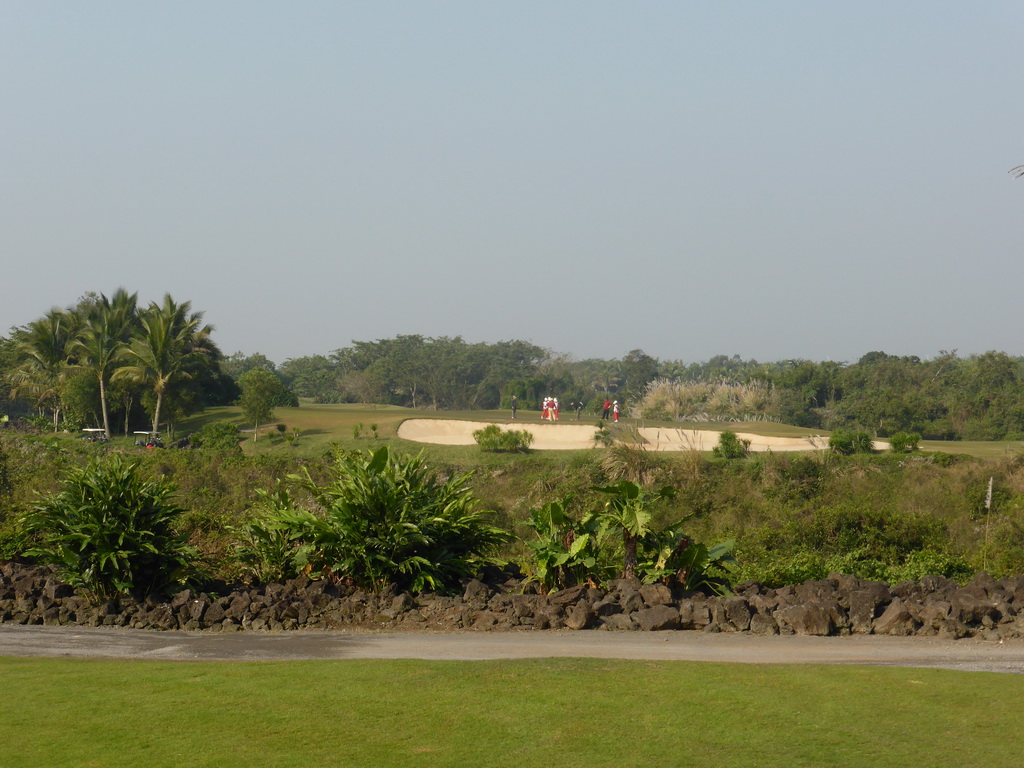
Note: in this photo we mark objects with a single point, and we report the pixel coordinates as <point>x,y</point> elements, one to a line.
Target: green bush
<point>219,436</point>
<point>266,548</point>
<point>929,562</point>
<point>848,442</point>
<point>383,520</point>
<point>904,442</point>
<point>110,531</point>
<point>495,439</point>
<point>565,552</point>
<point>671,556</point>
<point>731,447</point>
<point>779,569</point>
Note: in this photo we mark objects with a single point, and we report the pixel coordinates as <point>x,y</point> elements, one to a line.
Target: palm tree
<point>41,355</point>
<point>101,342</point>
<point>170,338</point>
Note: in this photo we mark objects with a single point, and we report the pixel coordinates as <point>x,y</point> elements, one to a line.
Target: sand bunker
<point>668,439</point>
<point>567,437</point>
<point>546,437</point>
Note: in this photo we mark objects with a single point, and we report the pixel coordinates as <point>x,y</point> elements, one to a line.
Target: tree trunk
<point>629,544</point>
<point>156,411</point>
<point>103,408</point>
<point>127,413</point>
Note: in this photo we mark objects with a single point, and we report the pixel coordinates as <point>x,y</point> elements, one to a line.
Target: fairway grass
<point>546,712</point>
<point>323,425</point>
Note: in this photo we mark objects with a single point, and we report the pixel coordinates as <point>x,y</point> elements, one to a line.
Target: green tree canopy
<point>261,390</point>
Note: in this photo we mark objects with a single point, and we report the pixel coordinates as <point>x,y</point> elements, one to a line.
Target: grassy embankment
<point>566,712</point>
<point>321,425</point>
<point>794,516</point>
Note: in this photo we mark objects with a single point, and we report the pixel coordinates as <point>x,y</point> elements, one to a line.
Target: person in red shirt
<point>607,405</point>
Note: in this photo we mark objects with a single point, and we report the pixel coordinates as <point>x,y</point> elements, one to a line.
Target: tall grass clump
<point>705,400</point>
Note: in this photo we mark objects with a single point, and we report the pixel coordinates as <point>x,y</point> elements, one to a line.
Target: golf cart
<point>150,441</point>
<point>94,435</point>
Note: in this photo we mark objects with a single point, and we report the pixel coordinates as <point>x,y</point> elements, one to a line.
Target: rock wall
<point>840,605</point>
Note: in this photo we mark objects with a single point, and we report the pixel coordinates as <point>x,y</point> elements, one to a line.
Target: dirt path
<point>66,642</point>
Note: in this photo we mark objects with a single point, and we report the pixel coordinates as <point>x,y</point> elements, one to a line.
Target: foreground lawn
<point>550,712</point>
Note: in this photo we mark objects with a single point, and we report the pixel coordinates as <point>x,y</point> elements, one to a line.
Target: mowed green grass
<point>546,712</point>
<point>321,425</point>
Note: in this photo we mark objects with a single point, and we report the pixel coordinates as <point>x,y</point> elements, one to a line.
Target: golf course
<point>143,710</point>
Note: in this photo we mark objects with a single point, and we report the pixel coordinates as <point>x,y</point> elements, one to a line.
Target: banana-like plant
<point>671,556</point>
<point>628,509</point>
<point>565,552</point>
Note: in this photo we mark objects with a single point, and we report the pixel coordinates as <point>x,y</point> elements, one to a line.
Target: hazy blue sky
<point>773,180</point>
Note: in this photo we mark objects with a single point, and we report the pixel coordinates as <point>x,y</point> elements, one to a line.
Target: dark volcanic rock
<point>935,606</point>
<point>658,617</point>
<point>814,618</point>
<point>896,620</point>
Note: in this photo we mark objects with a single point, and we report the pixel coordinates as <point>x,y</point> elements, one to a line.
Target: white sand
<point>564,437</point>
<point>546,437</point>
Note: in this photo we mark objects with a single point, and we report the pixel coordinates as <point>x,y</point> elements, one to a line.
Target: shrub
<point>266,549</point>
<point>219,436</point>
<point>904,442</point>
<point>111,531</point>
<point>565,552</point>
<point>385,519</point>
<point>848,442</point>
<point>603,435</point>
<point>495,439</point>
<point>731,447</point>
<point>929,562</point>
<point>673,557</point>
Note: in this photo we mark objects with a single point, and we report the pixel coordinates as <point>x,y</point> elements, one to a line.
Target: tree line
<point>112,363</point>
<point>109,363</point>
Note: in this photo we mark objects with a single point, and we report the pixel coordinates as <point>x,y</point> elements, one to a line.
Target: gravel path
<point>65,642</point>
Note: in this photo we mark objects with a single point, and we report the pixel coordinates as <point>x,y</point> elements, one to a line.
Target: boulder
<point>215,613</point>
<point>580,616</point>
<point>238,606</point>
<point>607,606</point>
<point>896,620</point>
<point>693,614</point>
<point>761,624</point>
<point>814,618</point>
<point>629,599</point>
<point>736,614</point>
<point>655,594</point>
<point>568,596</point>
<point>476,593</point>
<point>55,589</point>
<point>618,621</point>
<point>820,589</point>
<point>548,617</point>
<point>973,607</point>
<point>402,603</point>
<point>523,606</point>
<point>865,603</point>
<point>656,618</point>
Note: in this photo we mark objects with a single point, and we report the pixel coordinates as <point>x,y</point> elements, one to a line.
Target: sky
<point>770,180</point>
